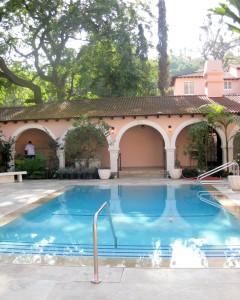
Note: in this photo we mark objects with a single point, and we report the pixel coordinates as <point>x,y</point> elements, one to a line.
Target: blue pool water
<point>145,218</point>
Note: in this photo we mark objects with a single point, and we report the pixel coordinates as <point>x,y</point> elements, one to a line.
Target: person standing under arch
<point>30,150</point>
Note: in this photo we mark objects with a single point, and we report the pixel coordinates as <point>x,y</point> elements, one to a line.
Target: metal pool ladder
<point>95,239</point>
<point>201,177</point>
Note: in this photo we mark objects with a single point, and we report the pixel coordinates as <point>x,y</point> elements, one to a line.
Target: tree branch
<point>8,74</point>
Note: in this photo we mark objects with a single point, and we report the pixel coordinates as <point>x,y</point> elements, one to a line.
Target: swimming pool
<point>153,222</point>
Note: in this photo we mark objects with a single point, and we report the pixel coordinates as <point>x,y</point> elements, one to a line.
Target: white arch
<point>61,140</point>
<point>191,122</point>
<point>232,134</point>
<point>141,122</point>
<point>23,128</point>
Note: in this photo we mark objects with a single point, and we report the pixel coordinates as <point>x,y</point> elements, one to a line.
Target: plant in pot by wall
<point>84,142</point>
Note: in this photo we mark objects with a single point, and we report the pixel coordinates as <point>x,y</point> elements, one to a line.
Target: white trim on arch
<point>191,122</point>
<point>141,122</point>
<point>232,134</point>
<point>23,128</point>
<point>108,137</point>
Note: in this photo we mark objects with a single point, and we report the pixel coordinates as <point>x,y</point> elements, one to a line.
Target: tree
<point>51,35</point>
<point>200,141</point>
<point>13,78</point>
<point>181,64</point>
<point>219,117</point>
<point>231,12</point>
<point>216,43</point>
<point>6,148</point>
<point>85,140</point>
<point>142,44</point>
<point>162,48</point>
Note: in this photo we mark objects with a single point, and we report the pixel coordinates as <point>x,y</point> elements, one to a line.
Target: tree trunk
<point>8,74</point>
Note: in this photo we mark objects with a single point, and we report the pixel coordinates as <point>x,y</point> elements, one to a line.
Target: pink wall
<point>198,86</point>
<point>212,83</point>
<point>142,146</point>
<point>39,138</point>
<point>181,144</point>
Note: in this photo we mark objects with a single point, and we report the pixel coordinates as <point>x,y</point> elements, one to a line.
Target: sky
<point>184,18</point>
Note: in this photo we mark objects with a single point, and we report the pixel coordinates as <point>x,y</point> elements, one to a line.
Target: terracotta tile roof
<point>226,76</point>
<point>191,75</point>
<point>236,66</point>
<point>116,107</point>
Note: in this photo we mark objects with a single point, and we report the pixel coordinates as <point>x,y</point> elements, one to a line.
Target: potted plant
<point>176,172</point>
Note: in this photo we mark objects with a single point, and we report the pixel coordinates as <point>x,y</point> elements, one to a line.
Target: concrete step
<point>142,173</point>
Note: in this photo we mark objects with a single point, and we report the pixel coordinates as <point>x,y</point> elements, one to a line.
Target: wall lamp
<point>112,129</point>
<point>170,128</point>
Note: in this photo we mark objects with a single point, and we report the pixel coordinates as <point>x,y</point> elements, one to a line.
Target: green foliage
<point>231,11</point>
<point>35,167</point>
<point>85,140</point>
<point>6,152</point>
<point>72,173</point>
<point>190,173</point>
<point>54,146</point>
<point>199,143</point>
<point>180,64</point>
<point>163,64</point>
<point>219,117</point>
<point>216,43</point>
<point>49,44</point>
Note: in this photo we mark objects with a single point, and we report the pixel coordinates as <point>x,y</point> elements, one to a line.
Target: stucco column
<point>224,155</point>
<point>113,160</point>
<point>12,161</point>
<point>170,158</point>
<point>61,157</point>
<point>230,153</point>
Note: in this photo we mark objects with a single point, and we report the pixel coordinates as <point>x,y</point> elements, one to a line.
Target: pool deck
<point>46,282</point>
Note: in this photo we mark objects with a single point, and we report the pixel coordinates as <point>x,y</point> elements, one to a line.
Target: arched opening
<point>101,158</point>
<point>43,144</point>
<point>188,158</point>
<point>142,146</point>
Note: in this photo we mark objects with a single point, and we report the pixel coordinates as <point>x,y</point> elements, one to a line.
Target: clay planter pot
<point>175,173</point>
<point>104,173</point>
<point>234,182</point>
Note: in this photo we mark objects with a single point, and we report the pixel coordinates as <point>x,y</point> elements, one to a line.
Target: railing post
<point>95,254</point>
<point>95,241</point>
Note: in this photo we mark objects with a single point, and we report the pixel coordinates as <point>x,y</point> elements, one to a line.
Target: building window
<point>188,88</point>
<point>227,85</point>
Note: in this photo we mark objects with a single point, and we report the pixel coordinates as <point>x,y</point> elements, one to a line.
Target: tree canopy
<point>162,48</point>
<point>231,11</point>
<point>61,41</point>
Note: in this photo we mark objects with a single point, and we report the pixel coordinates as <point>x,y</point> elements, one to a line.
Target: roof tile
<point>117,107</point>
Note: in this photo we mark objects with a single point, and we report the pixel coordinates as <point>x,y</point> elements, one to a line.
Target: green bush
<point>35,167</point>
<point>190,173</point>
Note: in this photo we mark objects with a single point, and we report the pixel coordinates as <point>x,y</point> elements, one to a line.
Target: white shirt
<point>30,149</point>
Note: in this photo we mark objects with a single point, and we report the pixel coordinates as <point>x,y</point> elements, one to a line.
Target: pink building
<point>211,82</point>
<point>147,133</point>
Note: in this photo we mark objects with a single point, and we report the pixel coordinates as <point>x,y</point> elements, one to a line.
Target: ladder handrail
<point>95,244</point>
<point>219,168</point>
<point>201,197</point>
